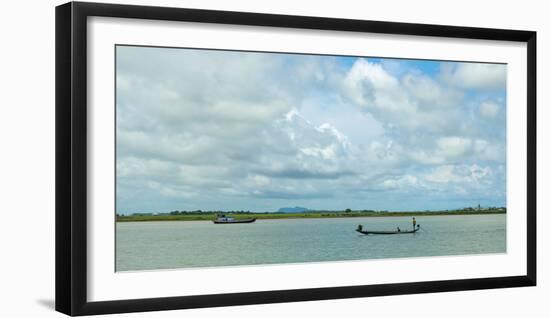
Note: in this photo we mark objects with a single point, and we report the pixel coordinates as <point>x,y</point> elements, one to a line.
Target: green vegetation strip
<point>206,216</point>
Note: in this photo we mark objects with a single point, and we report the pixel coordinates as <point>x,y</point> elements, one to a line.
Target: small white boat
<point>222,219</point>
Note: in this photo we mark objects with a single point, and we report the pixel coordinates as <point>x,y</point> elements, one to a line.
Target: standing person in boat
<point>414,223</point>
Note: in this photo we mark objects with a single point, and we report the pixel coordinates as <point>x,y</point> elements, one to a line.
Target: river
<point>182,244</point>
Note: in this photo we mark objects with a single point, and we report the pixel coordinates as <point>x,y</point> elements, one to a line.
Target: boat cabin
<point>223,218</point>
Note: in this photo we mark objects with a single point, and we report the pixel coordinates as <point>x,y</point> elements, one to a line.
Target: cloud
<point>453,147</point>
<point>489,151</point>
<point>488,109</point>
<point>406,181</point>
<point>475,75</point>
<point>200,129</point>
<point>414,101</point>
<point>369,85</point>
<point>469,182</point>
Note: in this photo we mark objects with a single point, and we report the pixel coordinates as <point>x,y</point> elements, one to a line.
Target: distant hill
<point>296,209</point>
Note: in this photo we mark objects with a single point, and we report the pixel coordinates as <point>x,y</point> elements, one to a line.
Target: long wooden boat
<point>360,230</point>
<point>230,220</point>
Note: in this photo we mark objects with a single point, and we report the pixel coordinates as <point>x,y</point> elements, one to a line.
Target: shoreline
<point>310,215</point>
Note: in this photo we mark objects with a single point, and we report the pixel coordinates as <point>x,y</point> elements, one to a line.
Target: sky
<point>217,130</point>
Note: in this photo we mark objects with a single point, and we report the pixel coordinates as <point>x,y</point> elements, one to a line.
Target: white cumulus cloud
<point>476,75</point>
<point>488,109</point>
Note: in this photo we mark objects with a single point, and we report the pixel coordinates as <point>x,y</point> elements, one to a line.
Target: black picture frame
<point>71,157</point>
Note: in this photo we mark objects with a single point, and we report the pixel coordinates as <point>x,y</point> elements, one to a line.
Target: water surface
<point>168,245</point>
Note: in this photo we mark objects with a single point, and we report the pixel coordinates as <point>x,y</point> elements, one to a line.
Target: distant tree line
<point>206,212</point>
<point>347,211</point>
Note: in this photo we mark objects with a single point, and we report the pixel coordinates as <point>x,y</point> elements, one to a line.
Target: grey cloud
<point>305,174</point>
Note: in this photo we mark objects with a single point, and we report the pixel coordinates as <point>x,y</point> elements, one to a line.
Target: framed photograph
<point>213,158</point>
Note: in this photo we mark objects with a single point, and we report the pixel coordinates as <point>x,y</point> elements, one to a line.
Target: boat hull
<point>234,221</point>
<point>387,232</point>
